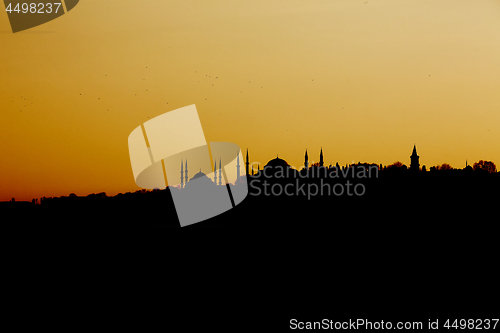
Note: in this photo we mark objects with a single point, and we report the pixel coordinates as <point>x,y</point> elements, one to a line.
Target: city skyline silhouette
<point>276,186</point>
<point>414,165</point>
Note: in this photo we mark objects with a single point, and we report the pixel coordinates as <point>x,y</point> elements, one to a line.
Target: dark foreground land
<point>426,233</point>
<point>400,199</point>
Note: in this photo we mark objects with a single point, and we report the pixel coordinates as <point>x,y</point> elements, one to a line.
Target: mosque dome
<point>199,175</point>
<point>277,162</point>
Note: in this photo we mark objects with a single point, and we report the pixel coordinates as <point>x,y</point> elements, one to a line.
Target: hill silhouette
<point>280,197</point>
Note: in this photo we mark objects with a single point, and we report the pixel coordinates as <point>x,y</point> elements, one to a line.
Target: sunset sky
<point>363,80</point>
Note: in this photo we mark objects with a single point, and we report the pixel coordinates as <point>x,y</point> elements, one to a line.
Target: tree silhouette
<point>396,165</point>
<point>486,166</point>
<point>444,166</point>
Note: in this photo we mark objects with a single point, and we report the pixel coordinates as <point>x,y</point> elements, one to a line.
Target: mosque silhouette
<point>441,194</point>
<point>276,163</point>
<point>206,180</point>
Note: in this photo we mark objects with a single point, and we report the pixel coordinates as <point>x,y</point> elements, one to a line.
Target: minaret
<point>414,165</point>
<point>306,162</point>
<point>186,175</point>
<point>238,167</point>
<point>182,173</point>
<point>215,173</point>
<point>247,163</point>
<point>321,157</point>
<point>220,172</point>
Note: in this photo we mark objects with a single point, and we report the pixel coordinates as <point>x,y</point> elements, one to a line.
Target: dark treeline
<point>279,196</point>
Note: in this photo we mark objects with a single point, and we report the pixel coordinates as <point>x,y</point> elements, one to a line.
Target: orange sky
<point>363,81</point>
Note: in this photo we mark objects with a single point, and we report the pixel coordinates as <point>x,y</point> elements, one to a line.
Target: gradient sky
<point>365,81</point>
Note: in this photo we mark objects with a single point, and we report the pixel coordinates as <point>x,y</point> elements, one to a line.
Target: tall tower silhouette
<point>215,173</point>
<point>247,163</point>
<point>182,174</point>
<point>186,174</point>
<point>237,167</point>
<point>306,162</point>
<point>321,157</point>
<point>414,165</point>
<point>220,171</point>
